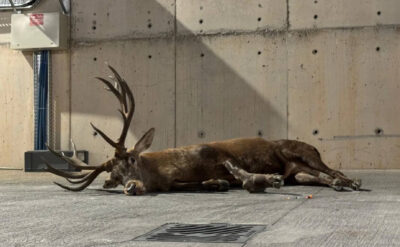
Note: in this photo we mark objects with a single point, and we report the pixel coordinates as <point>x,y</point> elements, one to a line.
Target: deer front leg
<point>211,184</point>
<point>216,185</point>
<point>134,187</point>
<point>254,182</point>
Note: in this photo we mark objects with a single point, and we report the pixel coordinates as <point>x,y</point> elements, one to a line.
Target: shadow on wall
<point>191,88</point>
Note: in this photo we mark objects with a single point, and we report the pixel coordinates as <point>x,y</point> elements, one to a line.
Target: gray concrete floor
<point>41,214</point>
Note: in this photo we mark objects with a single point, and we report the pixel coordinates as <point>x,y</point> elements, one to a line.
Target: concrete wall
<point>322,71</point>
<point>17,94</point>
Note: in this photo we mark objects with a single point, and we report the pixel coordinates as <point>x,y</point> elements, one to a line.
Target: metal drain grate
<point>204,233</point>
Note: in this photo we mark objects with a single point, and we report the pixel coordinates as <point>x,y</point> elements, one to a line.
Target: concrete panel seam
<point>377,27</point>
<point>344,138</point>
<point>89,42</point>
<point>323,30</point>
<point>292,209</point>
<point>233,33</point>
<point>287,85</point>
<point>175,78</point>
<point>127,37</point>
<point>76,44</point>
<point>287,15</point>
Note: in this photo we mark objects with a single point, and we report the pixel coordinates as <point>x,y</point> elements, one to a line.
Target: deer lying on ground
<point>253,163</point>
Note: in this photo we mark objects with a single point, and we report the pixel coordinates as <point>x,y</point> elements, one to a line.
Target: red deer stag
<point>253,163</point>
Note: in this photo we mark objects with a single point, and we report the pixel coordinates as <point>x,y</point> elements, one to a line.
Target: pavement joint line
<point>287,213</point>
<point>295,207</point>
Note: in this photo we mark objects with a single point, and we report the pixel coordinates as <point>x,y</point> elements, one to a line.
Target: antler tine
<point>105,137</point>
<point>114,90</point>
<point>74,154</point>
<point>63,174</point>
<point>128,113</point>
<point>123,93</point>
<point>121,83</point>
<point>74,161</point>
<point>128,117</point>
<point>110,87</point>
<point>103,167</point>
<point>88,181</point>
<point>80,180</point>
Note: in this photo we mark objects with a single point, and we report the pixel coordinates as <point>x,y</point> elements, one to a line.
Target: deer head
<point>125,165</point>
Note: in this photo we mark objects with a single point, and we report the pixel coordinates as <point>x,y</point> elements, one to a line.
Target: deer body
<point>198,163</point>
<point>254,163</point>
<point>190,167</point>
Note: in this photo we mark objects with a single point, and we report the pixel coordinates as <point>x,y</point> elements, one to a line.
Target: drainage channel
<point>202,233</point>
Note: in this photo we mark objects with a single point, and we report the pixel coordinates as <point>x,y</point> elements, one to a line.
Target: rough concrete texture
<point>122,19</point>
<point>229,16</point>
<point>348,72</point>
<point>207,67</point>
<point>41,214</point>
<point>153,90</point>
<point>307,14</point>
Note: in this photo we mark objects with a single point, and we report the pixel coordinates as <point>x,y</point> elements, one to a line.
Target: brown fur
<point>189,167</point>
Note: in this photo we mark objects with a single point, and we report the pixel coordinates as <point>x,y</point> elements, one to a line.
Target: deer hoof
<point>356,184</point>
<point>276,185</point>
<point>337,184</point>
<point>277,181</point>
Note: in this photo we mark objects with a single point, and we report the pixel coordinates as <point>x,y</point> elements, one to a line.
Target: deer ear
<point>145,142</point>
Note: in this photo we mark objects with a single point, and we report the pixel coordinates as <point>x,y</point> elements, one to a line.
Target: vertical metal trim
<point>42,58</point>
<point>36,57</point>
<point>65,6</point>
<point>12,5</point>
<point>50,110</point>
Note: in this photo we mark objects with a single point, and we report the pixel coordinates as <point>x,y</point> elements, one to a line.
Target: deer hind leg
<point>254,182</point>
<point>305,175</point>
<point>323,179</point>
<point>313,161</point>
<point>304,178</point>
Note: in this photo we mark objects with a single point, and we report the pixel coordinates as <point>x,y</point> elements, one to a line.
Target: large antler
<point>83,178</point>
<point>125,97</point>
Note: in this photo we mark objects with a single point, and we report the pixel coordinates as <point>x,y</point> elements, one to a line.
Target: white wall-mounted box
<point>36,31</point>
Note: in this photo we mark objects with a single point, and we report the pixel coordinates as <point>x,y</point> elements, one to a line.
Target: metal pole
<point>13,6</point>
<point>50,110</point>
<point>63,8</point>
